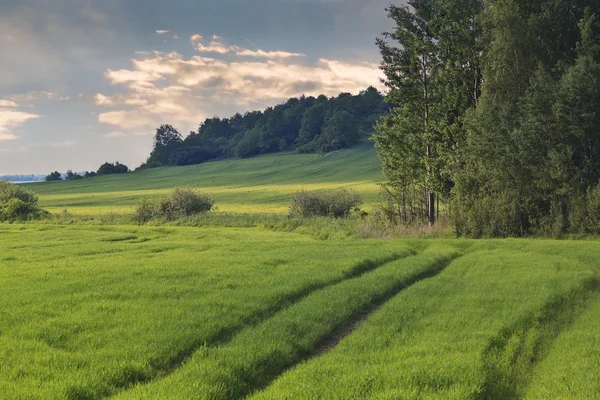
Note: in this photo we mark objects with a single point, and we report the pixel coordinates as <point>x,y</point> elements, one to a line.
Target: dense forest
<point>305,124</point>
<point>496,112</point>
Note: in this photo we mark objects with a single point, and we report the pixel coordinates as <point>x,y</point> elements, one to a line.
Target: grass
<point>90,312</point>
<point>248,303</point>
<point>257,185</point>
<point>572,369</point>
<point>87,311</point>
<point>474,331</point>
<point>259,354</point>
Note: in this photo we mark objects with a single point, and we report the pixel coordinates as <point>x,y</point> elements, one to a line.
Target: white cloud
<point>10,119</point>
<point>7,103</point>
<point>162,31</point>
<point>170,88</point>
<point>216,46</point>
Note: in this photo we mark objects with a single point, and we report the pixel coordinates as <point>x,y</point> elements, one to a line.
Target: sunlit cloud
<point>171,88</point>
<point>11,119</point>
<point>7,103</point>
<point>162,31</point>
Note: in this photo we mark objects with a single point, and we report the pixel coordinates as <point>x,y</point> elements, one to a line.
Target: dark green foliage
<point>111,169</point>
<point>166,142</point>
<point>17,203</point>
<point>71,176</point>
<point>338,203</point>
<point>181,202</point>
<point>495,113</point>
<point>305,124</point>
<point>53,176</point>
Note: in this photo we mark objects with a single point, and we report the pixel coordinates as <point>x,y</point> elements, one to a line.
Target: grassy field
<point>221,313</point>
<point>256,185</point>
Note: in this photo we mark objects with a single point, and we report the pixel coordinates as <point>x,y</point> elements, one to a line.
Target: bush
<point>17,203</point>
<point>338,203</point>
<point>181,202</point>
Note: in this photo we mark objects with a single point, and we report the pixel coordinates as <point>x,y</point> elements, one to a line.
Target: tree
<point>110,169</point>
<point>71,176</point>
<point>433,77</point>
<point>53,176</point>
<point>166,141</point>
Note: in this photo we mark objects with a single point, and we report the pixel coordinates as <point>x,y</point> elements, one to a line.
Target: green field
<point>220,313</point>
<point>263,184</point>
<point>284,309</point>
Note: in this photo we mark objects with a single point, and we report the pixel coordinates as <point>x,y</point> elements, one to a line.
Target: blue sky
<point>88,81</point>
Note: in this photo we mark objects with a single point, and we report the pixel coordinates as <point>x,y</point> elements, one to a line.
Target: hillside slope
<point>261,184</point>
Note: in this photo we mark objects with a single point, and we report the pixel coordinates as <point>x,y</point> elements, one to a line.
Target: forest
<point>495,115</point>
<point>305,125</point>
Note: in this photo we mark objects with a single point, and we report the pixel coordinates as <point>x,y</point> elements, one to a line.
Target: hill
<point>259,184</point>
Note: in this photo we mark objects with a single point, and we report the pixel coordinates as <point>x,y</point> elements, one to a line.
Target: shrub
<point>181,202</point>
<point>338,203</point>
<point>17,203</point>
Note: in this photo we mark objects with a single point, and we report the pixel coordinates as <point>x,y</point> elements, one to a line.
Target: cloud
<point>7,103</point>
<point>10,119</point>
<point>171,88</point>
<point>162,32</point>
<point>120,135</point>
<point>216,46</point>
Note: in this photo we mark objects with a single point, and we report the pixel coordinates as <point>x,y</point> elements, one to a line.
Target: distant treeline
<point>21,178</point>
<point>305,124</point>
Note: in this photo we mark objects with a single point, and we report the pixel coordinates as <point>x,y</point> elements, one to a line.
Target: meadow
<point>262,184</point>
<point>249,304</point>
<point>138,312</point>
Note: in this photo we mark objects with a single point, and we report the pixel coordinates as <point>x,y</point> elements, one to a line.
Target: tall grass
<point>434,339</point>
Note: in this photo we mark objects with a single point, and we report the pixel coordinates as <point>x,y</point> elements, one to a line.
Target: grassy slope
<point>261,184</point>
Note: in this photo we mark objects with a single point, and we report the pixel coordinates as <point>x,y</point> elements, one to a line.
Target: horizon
<point>89,83</point>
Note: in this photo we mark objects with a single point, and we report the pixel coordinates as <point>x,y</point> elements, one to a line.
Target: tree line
<point>305,124</point>
<point>496,112</point>
<point>105,169</point>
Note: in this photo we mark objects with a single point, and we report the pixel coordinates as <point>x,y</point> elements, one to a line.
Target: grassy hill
<point>261,184</point>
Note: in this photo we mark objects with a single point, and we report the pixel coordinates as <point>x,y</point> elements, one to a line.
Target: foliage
<point>112,168</point>
<point>71,176</point>
<point>53,176</point>
<point>181,202</point>
<point>493,112</point>
<point>338,203</point>
<point>432,71</point>
<point>18,204</point>
<point>306,124</point>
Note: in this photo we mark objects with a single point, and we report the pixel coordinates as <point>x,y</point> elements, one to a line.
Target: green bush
<point>336,203</point>
<point>181,202</point>
<point>18,204</point>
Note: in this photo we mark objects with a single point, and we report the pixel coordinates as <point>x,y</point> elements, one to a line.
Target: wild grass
<point>476,330</point>
<point>86,311</point>
<point>259,354</point>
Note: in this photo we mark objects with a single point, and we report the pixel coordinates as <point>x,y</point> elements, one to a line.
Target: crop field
<point>138,312</point>
<point>257,185</point>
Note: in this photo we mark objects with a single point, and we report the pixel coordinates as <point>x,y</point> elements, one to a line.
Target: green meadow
<point>261,311</point>
<point>263,184</point>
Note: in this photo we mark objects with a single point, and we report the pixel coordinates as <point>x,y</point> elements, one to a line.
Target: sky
<point>83,82</point>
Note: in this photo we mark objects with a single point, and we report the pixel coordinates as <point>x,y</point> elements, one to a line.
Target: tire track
<point>511,357</point>
<point>258,355</point>
<point>224,335</point>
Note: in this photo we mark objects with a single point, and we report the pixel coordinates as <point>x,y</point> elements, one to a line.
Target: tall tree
<point>434,76</point>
